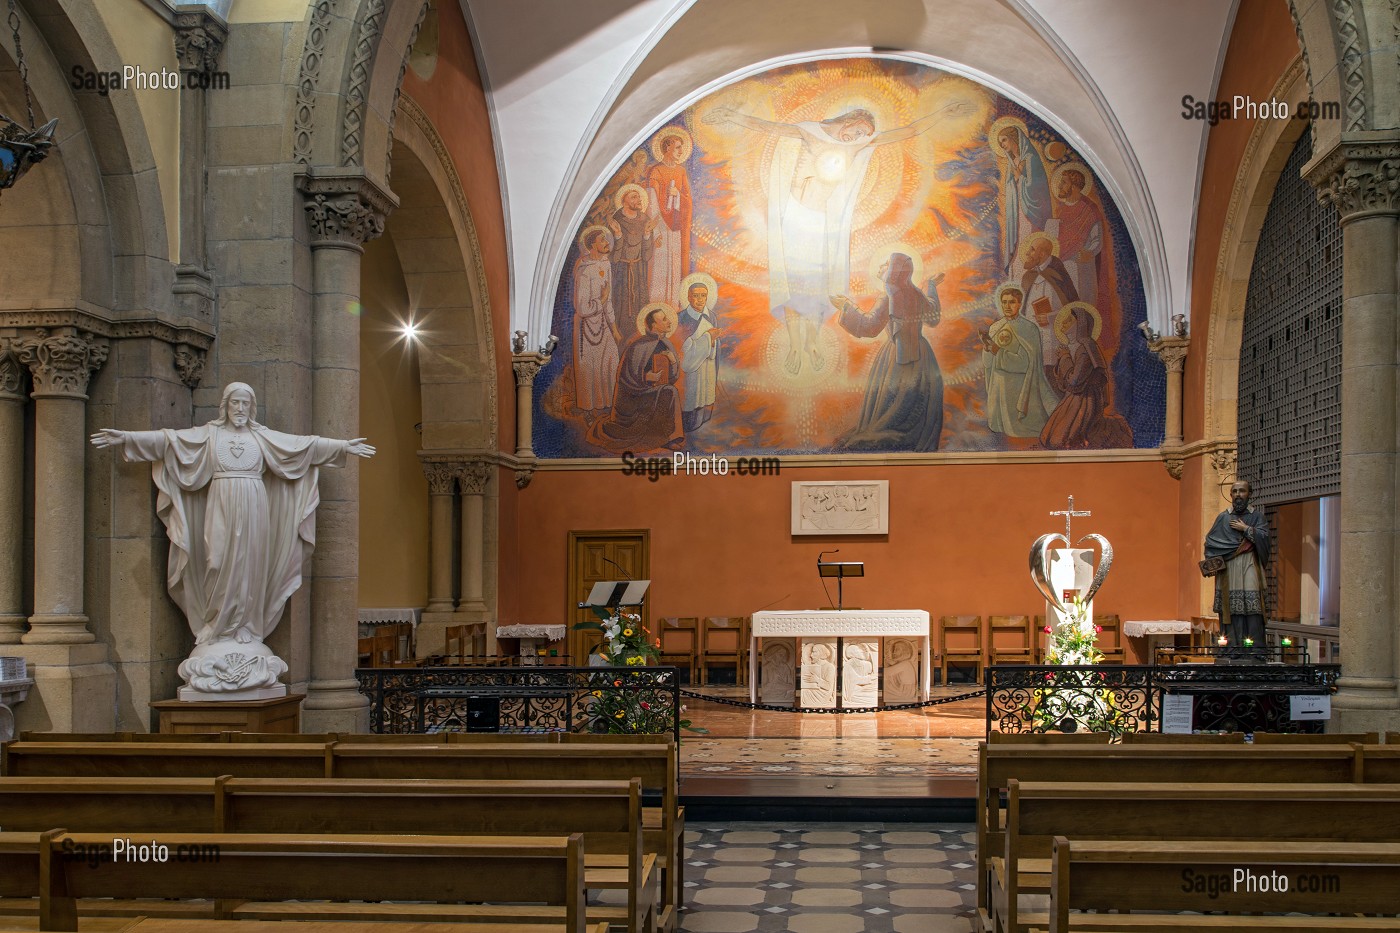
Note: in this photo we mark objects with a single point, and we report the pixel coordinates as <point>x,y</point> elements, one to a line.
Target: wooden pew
<point>999,764</point>
<point>1038,812</point>
<point>162,759</point>
<point>271,877</point>
<point>1380,764</point>
<point>607,813</point>
<point>655,763</point>
<point>1324,738</point>
<point>1049,738</point>
<point>1322,878</point>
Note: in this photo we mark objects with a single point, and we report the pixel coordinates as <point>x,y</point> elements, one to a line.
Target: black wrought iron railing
<point>1129,698</point>
<point>619,700</point>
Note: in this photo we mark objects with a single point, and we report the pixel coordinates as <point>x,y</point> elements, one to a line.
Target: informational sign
<point>1176,713</point>
<point>1310,707</point>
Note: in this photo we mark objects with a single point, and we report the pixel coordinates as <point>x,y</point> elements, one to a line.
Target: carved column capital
<point>199,38</point>
<point>1226,461</point>
<point>346,209</point>
<point>11,374</point>
<point>1360,175</point>
<point>189,364</point>
<point>441,474</point>
<point>61,364</point>
<point>472,477</point>
<point>527,366</point>
<point>1171,351</point>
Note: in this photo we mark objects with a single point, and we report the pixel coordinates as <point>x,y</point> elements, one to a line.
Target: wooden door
<point>589,556</point>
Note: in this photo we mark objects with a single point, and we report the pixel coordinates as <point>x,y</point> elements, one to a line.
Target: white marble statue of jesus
<point>239,504</point>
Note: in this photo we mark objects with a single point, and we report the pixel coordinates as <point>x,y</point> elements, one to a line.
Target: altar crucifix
<point>1070,514</point>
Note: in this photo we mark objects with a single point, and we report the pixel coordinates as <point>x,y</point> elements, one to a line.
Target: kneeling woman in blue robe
<point>903,407</point>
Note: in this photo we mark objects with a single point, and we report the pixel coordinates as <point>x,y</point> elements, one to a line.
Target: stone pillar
<point>442,482</point>
<point>75,686</point>
<point>472,478</point>
<point>12,617</point>
<point>61,366</point>
<point>345,208</point>
<point>1172,352</point>
<point>1358,176</point>
<point>527,366</point>
<point>199,37</point>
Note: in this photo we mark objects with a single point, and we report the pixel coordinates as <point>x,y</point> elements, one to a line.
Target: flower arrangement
<point>625,703</point>
<point>1072,640</point>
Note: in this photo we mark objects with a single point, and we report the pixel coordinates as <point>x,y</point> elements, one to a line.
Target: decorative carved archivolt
<point>357,89</point>
<point>1347,34</point>
<point>1298,30</point>
<point>398,87</point>
<point>312,55</point>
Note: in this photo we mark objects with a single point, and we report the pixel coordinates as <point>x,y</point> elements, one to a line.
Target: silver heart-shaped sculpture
<point>1040,571</point>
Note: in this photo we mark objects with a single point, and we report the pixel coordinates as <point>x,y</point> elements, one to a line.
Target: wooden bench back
<point>1380,763</point>
<point>160,759</point>
<point>1323,877</point>
<point>114,805</point>
<point>19,863</point>
<point>654,764</point>
<point>293,867</point>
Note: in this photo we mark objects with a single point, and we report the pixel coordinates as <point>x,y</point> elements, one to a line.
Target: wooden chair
<point>386,649</point>
<point>720,641</point>
<point>967,633</point>
<point>745,643</point>
<point>1010,640</point>
<point>402,635</point>
<point>1040,638</point>
<point>1110,639</point>
<point>456,643</point>
<point>680,643</point>
<point>366,652</point>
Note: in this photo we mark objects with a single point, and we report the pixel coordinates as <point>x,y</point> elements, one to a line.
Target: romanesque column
<point>527,366</point>
<point>473,477</point>
<point>1359,176</point>
<point>1172,352</point>
<point>61,365</point>
<point>12,618</point>
<point>442,483</point>
<point>345,209</point>
<point>199,36</point>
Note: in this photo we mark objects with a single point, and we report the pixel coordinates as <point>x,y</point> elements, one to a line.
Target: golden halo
<point>588,231</point>
<point>881,255</point>
<point>699,278</point>
<point>654,306</point>
<point>994,133</point>
<point>1076,167</point>
<point>1066,313</point>
<point>1055,150</point>
<point>687,144</point>
<point>1012,286</point>
<point>1039,235</point>
<point>617,198</point>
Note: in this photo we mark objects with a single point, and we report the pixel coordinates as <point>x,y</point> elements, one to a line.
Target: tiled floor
<point>829,878</point>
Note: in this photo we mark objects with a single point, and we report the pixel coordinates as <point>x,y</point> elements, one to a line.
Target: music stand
<point>840,570</point>
<point>614,594</point>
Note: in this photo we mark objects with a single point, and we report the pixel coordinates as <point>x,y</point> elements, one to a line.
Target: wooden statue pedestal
<point>279,714</point>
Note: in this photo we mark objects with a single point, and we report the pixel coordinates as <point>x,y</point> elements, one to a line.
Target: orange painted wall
<point>1262,45</point>
<point>455,101</point>
<point>958,542</point>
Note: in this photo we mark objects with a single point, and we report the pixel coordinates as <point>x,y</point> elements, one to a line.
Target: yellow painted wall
<point>142,39</point>
<point>393,491</point>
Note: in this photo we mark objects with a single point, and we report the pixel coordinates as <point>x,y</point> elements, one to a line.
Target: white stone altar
<point>860,630</point>
<point>530,637</point>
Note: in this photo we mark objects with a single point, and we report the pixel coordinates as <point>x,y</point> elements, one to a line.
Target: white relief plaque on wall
<point>853,507</point>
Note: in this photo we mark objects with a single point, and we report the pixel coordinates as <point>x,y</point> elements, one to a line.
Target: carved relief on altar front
<point>857,507</point>
<point>860,673</point>
<point>901,670</point>
<point>778,684</point>
<point>818,672</point>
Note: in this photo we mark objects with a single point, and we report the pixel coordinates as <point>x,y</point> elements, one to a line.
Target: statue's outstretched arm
<point>359,448</point>
<point>134,445</point>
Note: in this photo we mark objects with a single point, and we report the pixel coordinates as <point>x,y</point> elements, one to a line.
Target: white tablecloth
<point>1157,627</point>
<point>551,632</point>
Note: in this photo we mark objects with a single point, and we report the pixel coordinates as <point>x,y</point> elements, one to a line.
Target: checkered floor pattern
<point>829,878</point>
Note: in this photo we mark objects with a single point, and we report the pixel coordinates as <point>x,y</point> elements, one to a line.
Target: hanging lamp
<point>20,147</point>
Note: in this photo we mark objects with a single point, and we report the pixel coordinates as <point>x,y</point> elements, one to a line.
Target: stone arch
<point>1349,54</point>
<point>117,227</point>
